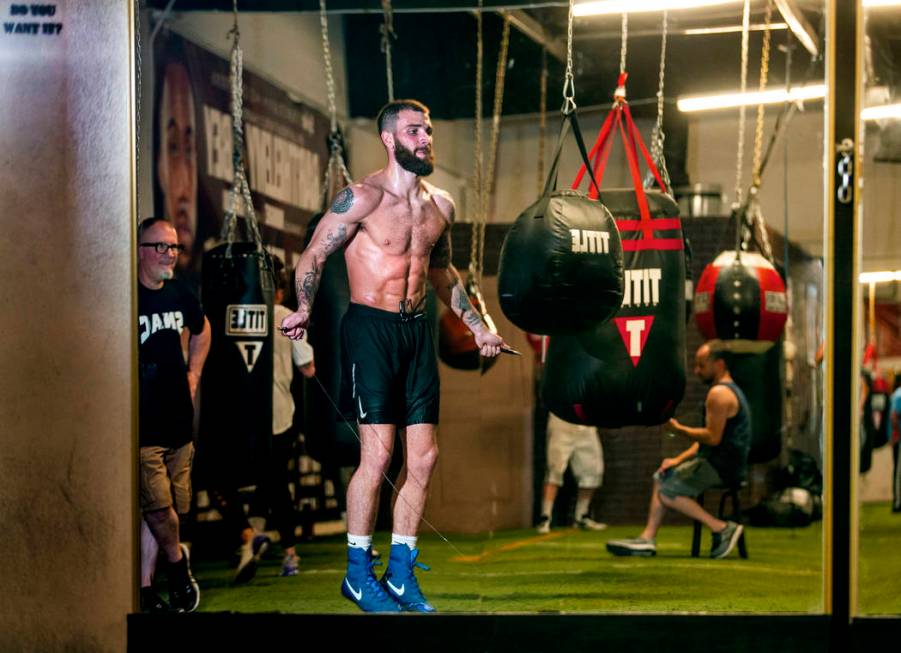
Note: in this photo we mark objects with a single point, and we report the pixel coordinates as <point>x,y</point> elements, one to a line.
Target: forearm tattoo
<point>343,201</point>
<point>461,305</point>
<point>308,284</point>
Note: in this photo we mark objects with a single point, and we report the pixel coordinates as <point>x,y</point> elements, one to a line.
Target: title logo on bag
<point>246,320</point>
<point>634,332</point>
<point>590,242</point>
<point>250,352</point>
<point>642,287</point>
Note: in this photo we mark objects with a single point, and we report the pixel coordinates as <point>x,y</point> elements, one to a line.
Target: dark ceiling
<point>434,52</point>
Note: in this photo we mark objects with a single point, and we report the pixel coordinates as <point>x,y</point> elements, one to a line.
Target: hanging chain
<point>542,119</point>
<point>753,215</point>
<point>487,184</point>
<point>569,82</point>
<point>477,172</point>
<point>239,180</point>
<point>764,73</point>
<point>623,45</point>
<point>336,149</point>
<point>387,31</point>
<point>745,30</point>
<point>329,76</point>
<point>657,136</point>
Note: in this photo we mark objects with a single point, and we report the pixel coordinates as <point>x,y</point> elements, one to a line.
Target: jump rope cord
<point>384,474</point>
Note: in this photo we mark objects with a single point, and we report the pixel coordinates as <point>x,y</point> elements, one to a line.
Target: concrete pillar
<point>67,327</point>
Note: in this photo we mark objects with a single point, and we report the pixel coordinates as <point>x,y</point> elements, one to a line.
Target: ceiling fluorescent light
<point>604,7</point>
<point>886,111</point>
<point>869,4</point>
<point>799,25</point>
<point>731,100</point>
<point>880,277</point>
<point>729,29</point>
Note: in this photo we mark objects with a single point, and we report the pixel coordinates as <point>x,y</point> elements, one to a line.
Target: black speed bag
<point>561,264</point>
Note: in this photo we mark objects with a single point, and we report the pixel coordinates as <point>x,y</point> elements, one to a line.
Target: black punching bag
<point>561,264</point>
<point>761,378</point>
<point>236,391</point>
<point>328,437</point>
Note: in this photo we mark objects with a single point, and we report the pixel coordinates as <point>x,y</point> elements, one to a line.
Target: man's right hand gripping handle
<point>295,324</point>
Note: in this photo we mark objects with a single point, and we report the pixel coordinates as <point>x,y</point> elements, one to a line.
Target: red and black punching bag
<point>634,365</point>
<point>741,300</point>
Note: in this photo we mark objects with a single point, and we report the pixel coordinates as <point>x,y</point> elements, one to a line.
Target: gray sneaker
<point>633,546</point>
<point>723,542</point>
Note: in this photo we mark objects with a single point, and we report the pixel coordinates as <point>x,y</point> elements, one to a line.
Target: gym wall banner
<point>285,152</point>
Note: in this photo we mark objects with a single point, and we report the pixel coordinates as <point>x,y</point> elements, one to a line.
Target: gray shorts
<point>688,479</point>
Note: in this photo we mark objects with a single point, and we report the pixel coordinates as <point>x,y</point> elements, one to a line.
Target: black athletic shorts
<point>389,368</point>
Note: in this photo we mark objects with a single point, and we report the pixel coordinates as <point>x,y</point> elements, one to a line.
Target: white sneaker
<point>544,525</point>
<point>586,523</point>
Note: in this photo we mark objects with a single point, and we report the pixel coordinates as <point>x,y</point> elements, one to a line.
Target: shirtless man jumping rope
<point>395,230</point>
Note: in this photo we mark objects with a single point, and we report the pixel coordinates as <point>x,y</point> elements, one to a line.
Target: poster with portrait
<point>285,153</point>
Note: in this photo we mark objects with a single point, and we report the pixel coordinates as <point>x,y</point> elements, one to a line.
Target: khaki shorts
<point>166,478</point>
<point>575,445</point>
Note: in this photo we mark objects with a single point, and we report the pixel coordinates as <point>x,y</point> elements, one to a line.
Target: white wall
<point>68,371</point>
<point>712,159</point>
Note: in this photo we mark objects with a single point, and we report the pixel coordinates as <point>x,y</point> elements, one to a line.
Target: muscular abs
<point>388,256</point>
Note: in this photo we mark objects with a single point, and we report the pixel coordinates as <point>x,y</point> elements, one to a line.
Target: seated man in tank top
<point>718,456</point>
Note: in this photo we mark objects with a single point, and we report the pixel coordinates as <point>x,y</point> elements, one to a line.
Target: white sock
<point>582,507</point>
<point>359,541</point>
<point>547,507</point>
<point>409,540</point>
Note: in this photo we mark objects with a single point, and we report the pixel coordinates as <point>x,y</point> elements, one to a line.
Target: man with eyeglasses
<point>167,387</point>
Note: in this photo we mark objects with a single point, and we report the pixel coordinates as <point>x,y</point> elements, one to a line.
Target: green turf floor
<point>569,571</point>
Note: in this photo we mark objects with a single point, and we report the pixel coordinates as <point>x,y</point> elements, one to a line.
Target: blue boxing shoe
<point>360,585</point>
<point>400,582</point>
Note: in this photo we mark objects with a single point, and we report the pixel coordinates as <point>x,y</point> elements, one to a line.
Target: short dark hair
<point>146,223</point>
<point>718,354</point>
<point>388,114</point>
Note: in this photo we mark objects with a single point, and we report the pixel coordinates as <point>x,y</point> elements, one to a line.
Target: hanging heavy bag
<point>561,264</point>
<point>236,393</point>
<point>638,375</point>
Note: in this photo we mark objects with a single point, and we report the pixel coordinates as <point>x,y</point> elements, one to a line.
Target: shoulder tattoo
<point>343,201</point>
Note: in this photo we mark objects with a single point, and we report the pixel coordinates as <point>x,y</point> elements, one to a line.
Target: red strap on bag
<point>620,119</point>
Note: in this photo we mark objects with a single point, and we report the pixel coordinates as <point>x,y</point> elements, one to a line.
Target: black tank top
<point>730,456</point>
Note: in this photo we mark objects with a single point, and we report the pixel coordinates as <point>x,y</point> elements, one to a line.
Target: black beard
<point>408,160</point>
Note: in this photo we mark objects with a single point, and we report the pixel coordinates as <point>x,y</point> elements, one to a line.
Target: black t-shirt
<point>166,411</point>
